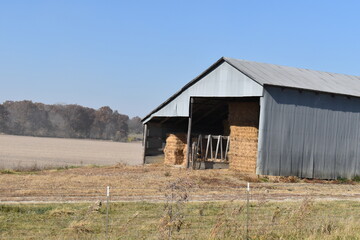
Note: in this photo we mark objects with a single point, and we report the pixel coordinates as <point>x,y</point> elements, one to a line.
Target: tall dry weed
<point>173,218</point>
<point>230,222</point>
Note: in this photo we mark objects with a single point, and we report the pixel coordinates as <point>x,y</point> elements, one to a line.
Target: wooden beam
<point>179,121</point>
<point>207,114</point>
<point>167,118</point>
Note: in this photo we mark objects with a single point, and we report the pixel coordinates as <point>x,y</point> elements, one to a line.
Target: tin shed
<point>260,118</point>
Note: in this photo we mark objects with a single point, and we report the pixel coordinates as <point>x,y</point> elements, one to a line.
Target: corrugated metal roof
<point>277,75</point>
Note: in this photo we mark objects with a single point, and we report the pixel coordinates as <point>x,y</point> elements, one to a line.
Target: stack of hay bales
<point>175,149</point>
<point>244,121</point>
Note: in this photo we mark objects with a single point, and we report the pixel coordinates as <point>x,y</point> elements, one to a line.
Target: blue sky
<point>133,55</point>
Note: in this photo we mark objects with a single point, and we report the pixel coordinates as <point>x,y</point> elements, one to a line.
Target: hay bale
<point>175,149</point>
<point>244,121</point>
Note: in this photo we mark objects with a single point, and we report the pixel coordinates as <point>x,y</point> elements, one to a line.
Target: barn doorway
<point>223,130</point>
<point>225,133</point>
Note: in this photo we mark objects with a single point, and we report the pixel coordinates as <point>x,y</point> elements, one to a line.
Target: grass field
<point>210,220</point>
<point>24,152</point>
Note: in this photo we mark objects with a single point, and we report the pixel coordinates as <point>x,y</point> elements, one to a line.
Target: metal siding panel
<point>309,135</point>
<point>259,163</point>
<point>321,125</point>
<point>224,81</point>
<point>357,149</point>
<point>297,139</point>
<point>286,130</point>
<point>308,141</point>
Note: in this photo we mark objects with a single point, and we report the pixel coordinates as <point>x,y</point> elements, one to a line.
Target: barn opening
<point>157,131</point>
<point>223,130</point>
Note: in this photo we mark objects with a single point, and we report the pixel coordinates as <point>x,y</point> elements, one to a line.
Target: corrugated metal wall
<point>308,134</point>
<point>224,81</point>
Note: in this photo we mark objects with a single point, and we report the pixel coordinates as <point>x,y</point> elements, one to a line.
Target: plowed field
<point>18,152</point>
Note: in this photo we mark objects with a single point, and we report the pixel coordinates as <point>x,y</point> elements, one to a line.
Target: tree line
<point>66,121</point>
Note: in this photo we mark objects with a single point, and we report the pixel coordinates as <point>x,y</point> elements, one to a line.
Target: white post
<point>247,210</point>
<point>107,211</point>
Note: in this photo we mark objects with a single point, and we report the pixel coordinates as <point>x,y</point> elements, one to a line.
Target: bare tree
<point>37,119</point>
<point>135,125</point>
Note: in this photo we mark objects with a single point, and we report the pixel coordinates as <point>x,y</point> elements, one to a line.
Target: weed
<point>251,178</point>
<point>66,167</point>
<point>12,209</point>
<point>342,180</point>
<point>93,166</point>
<point>356,178</point>
<point>289,179</point>
<point>173,219</point>
<point>325,228</point>
<point>264,179</point>
<point>33,168</point>
<point>167,174</point>
<point>39,209</point>
<point>61,212</point>
<point>228,224</point>
<point>81,226</point>
<point>7,171</point>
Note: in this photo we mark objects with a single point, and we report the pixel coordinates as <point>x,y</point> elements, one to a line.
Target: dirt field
<point>20,151</point>
<point>151,183</point>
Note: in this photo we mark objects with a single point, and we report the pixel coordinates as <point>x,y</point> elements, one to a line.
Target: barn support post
<point>188,142</point>
<point>144,142</point>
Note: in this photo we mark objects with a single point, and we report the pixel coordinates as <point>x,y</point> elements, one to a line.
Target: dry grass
<point>136,183</point>
<point>20,152</point>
